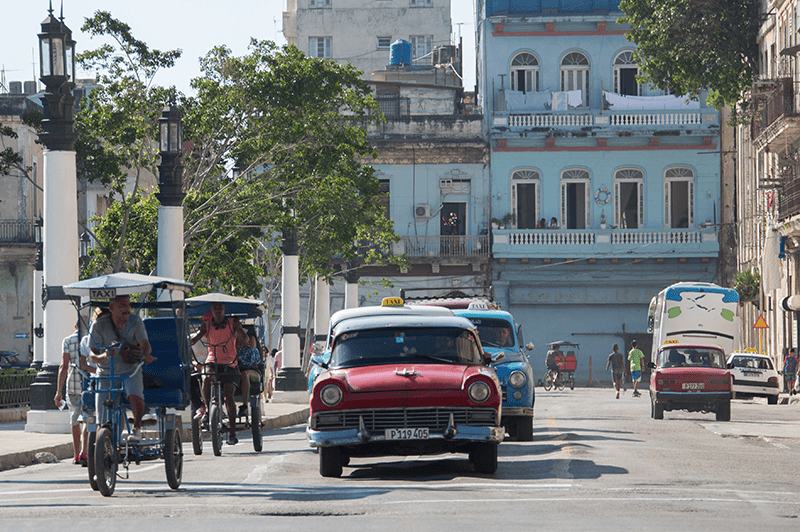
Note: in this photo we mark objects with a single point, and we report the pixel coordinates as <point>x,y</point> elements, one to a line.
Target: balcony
<point>606,243</point>
<point>776,121</point>
<point>446,247</point>
<point>16,232</point>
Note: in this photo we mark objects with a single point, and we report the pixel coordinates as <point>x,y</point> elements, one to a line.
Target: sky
<point>194,26</point>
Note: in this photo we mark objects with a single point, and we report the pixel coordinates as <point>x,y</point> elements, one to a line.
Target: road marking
<point>257,473</point>
<point>561,468</point>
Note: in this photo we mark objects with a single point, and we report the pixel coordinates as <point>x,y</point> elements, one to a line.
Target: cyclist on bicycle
<point>121,326</point>
<point>221,333</point>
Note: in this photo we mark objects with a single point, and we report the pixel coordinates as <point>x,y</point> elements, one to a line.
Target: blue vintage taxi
<point>499,333</point>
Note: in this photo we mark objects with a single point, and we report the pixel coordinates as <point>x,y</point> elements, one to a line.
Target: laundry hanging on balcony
<point>527,102</point>
<point>566,100</point>
<point>621,102</point>
<point>771,270</point>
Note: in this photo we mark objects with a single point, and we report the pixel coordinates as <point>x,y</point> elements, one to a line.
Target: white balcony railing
<point>655,119</point>
<point>613,119</point>
<point>550,120</point>
<point>446,246</point>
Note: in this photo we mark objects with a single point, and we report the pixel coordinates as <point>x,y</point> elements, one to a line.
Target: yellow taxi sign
<point>670,342</point>
<point>750,350</point>
<point>392,302</point>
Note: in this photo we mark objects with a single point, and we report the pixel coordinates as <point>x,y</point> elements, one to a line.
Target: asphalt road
<point>596,463</point>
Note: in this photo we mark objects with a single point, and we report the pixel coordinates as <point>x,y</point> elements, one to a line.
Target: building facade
<point>630,177</point>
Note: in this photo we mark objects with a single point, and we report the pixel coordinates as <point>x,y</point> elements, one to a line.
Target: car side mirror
<point>497,357</point>
<point>651,365</point>
<point>730,365</point>
<point>529,346</point>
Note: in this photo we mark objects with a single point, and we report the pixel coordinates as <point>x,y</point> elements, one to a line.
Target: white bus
<point>695,313</point>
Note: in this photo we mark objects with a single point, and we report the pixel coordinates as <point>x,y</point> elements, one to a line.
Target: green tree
<point>688,46</point>
<point>118,122</point>
<point>11,161</point>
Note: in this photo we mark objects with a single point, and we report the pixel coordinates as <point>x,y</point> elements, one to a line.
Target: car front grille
<point>435,419</point>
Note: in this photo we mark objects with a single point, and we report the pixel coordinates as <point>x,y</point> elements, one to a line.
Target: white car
<point>754,375</point>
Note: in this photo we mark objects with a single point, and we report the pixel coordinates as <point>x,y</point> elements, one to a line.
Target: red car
<point>690,377</point>
<point>405,385</point>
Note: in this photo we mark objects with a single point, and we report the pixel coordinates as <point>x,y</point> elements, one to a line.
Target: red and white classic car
<point>405,385</point>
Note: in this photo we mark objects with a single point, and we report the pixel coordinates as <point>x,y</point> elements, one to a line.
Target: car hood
<point>406,377</point>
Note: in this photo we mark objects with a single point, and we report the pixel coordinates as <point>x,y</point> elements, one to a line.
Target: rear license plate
<point>752,374</point>
<point>693,386</point>
<point>407,434</point>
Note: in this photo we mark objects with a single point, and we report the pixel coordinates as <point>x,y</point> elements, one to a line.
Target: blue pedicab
<point>244,309</point>
<point>166,381</point>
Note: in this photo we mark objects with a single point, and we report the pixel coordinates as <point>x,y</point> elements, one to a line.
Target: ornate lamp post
<point>84,258</point>
<point>38,312</point>
<point>170,195</point>
<point>60,254</point>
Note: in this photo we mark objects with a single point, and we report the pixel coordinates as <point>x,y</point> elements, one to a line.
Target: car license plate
<point>693,386</point>
<point>752,374</point>
<point>407,434</point>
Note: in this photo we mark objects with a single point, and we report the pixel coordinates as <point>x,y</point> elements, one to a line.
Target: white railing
<point>551,238</point>
<point>550,120</point>
<point>446,246</point>
<point>655,119</point>
<point>657,237</point>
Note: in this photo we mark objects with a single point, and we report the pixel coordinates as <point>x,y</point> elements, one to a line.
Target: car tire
<point>772,400</point>
<point>330,461</point>
<point>724,411</point>
<point>484,457</point>
<point>657,410</point>
<point>197,436</point>
<point>524,428</point>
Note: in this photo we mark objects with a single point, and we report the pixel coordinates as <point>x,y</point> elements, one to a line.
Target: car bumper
<point>333,438</point>
<point>761,391</point>
<point>694,397</point>
<point>515,411</point>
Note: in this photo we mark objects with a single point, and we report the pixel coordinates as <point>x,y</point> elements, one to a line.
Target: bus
<point>695,313</point>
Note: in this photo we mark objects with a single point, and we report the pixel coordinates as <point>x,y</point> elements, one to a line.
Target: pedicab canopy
<point>123,284</point>
<point>240,307</point>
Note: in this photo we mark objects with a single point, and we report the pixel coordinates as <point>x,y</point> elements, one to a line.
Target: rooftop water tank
<point>30,87</point>
<point>400,53</point>
<point>15,87</point>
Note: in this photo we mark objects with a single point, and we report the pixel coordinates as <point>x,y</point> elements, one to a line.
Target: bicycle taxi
<point>247,310</point>
<point>562,372</point>
<point>166,391</point>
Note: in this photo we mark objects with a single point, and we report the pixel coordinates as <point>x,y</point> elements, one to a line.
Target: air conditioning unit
<point>422,210</point>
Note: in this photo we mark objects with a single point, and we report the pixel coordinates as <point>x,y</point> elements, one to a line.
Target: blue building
<point>631,177</point>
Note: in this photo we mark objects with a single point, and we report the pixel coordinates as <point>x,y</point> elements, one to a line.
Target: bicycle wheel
<point>255,425</point>
<point>173,457</point>
<point>215,421</point>
<point>105,462</point>
<point>571,382</point>
<point>197,436</point>
<point>559,381</point>
<point>90,461</point>
<point>548,381</point>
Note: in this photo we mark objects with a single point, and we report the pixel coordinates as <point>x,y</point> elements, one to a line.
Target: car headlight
<point>479,391</point>
<point>330,395</point>
<point>517,379</point>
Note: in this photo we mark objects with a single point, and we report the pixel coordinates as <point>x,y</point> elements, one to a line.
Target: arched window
<point>575,199</point>
<point>679,197</point>
<point>525,191</point>
<point>525,73</point>
<point>629,198</point>
<point>575,75</point>
<point>625,72</point>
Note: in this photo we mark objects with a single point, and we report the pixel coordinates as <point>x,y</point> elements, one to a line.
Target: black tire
<point>571,382</point>
<point>548,381</point>
<point>772,400</point>
<point>484,457</point>
<point>173,457</point>
<point>345,460</point>
<point>255,427</point>
<point>657,410</point>
<point>560,382</point>
<point>105,462</point>
<point>724,411</point>
<point>90,461</point>
<point>197,435</point>
<point>215,422</point>
<point>524,431</point>
<point>330,462</point>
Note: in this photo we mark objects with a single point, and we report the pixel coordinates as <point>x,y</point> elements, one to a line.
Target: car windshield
<point>494,333</point>
<point>751,362</point>
<point>689,357</point>
<point>400,345</point>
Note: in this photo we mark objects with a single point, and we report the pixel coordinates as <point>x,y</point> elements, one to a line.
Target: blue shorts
<point>131,386</point>
<point>636,375</point>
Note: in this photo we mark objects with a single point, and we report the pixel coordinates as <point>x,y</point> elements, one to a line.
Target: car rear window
<point>400,345</point>
<point>751,362</point>
<point>688,357</point>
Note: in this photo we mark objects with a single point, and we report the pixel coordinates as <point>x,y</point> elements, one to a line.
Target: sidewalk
<point>18,447</point>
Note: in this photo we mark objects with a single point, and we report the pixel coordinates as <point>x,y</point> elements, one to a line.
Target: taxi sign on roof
<point>392,302</point>
<point>478,305</point>
<point>670,342</point>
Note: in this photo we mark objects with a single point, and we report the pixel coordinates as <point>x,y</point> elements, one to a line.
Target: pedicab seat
<point>169,372</point>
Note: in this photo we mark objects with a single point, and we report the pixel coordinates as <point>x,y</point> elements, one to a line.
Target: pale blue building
<point>631,175</point>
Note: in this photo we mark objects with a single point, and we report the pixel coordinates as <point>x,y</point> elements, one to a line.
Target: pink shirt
<point>221,342</point>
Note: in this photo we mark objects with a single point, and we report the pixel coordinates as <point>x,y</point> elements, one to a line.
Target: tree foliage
<point>688,46</point>
<point>11,161</point>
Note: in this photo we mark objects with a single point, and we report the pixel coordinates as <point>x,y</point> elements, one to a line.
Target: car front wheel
<point>484,457</point>
<point>330,461</point>
<point>724,411</point>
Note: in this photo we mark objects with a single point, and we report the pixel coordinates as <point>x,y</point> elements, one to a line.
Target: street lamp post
<point>38,312</point>
<point>170,195</point>
<point>84,258</point>
<point>60,254</point>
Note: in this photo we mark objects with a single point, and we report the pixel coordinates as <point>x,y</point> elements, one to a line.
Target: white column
<point>170,247</point>
<point>290,379</point>
<point>351,295</point>
<point>60,236</point>
<point>38,315</point>
<point>322,310</point>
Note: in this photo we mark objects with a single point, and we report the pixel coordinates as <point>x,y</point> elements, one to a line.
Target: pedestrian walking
<point>616,361</point>
<point>635,357</point>
<point>790,369</point>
